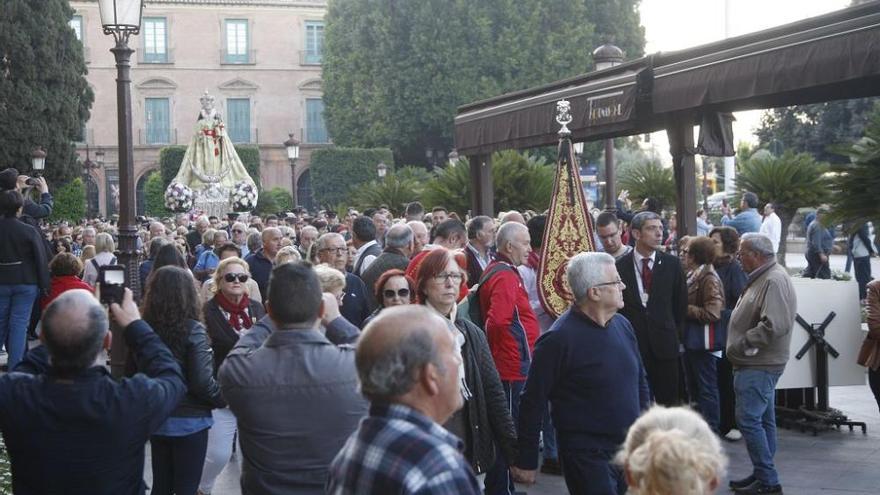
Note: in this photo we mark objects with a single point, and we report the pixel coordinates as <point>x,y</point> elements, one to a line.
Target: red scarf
<point>238,314</point>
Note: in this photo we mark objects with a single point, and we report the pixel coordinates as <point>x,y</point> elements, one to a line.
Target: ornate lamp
<point>382,170</point>
<point>292,146</point>
<point>38,160</point>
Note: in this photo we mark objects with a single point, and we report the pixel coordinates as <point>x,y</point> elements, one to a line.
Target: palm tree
<point>394,190</point>
<point>855,184</point>
<point>790,181</point>
<point>649,179</point>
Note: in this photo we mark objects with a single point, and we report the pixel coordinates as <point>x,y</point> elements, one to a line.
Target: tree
<point>855,184</point>
<point>814,128</point>
<point>648,179</point>
<point>394,190</point>
<point>44,96</point>
<point>70,202</point>
<point>154,196</point>
<point>402,69</point>
<point>790,181</point>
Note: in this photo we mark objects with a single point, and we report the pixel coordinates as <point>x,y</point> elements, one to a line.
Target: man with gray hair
<point>260,261</point>
<point>588,366</point>
<point>481,238</point>
<point>194,237</point>
<point>758,339</point>
<point>398,249</point>
<point>238,233</point>
<point>420,235</point>
<point>408,363</point>
<point>63,391</point>
<point>333,251</point>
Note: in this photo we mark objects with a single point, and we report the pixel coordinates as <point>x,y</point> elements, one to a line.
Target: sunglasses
<point>231,277</point>
<point>401,293</point>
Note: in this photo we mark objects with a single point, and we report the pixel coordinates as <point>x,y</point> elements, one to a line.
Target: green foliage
<point>520,182</point>
<point>70,202</point>
<point>266,204</point>
<point>395,190</point>
<point>855,184</point>
<point>379,89</point>
<point>648,179</point>
<point>812,128</point>
<point>44,96</point>
<point>336,172</point>
<point>154,196</point>
<point>790,181</point>
<point>170,158</point>
<point>281,198</point>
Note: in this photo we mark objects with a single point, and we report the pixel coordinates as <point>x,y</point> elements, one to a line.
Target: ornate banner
<point>569,228</point>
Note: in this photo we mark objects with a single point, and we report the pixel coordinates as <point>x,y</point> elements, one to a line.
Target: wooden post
<point>681,145</point>
<point>482,195</point>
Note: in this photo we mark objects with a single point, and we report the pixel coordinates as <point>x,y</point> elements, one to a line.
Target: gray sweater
<point>762,320</point>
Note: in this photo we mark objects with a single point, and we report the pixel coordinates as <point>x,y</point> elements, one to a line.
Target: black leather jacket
<point>202,390</point>
<point>486,414</point>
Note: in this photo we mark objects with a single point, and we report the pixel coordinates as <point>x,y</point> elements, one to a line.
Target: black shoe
<point>551,466</point>
<point>734,484</point>
<point>758,488</point>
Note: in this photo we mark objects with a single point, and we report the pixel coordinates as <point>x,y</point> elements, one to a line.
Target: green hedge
<point>170,158</point>
<point>335,172</point>
<point>154,196</point>
<point>70,202</point>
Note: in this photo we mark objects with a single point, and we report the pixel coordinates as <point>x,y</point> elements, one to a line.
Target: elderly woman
<point>733,279</point>
<point>228,314</point>
<point>705,302</point>
<point>286,254</point>
<point>23,274</point>
<point>64,270</point>
<point>671,452</point>
<point>393,288</point>
<point>338,329</point>
<point>484,423</point>
<point>209,288</point>
<point>104,248</point>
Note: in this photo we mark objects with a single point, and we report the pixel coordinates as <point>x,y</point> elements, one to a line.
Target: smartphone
<point>112,280</point>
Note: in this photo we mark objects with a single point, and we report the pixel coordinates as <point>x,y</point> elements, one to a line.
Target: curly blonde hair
<point>672,451</point>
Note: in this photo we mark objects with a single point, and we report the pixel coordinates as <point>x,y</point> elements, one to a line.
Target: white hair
<point>506,232</point>
<point>585,271</point>
<point>758,243</point>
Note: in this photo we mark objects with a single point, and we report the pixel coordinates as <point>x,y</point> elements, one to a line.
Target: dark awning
<point>824,58</point>
<point>603,104</point>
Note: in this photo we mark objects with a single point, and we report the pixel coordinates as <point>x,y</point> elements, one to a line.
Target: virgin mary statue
<point>211,167</point>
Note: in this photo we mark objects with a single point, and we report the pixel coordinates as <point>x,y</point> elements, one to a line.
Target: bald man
<point>408,365</point>
<point>260,261</point>
<point>63,391</point>
<point>513,216</point>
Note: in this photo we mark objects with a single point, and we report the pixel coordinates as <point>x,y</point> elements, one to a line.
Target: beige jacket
<point>869,354</point>
<point>762,320</point>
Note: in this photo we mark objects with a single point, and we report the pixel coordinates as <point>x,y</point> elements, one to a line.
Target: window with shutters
<point>155,34</point>
<point>158,115</point>
<point>316,132</point>
<point>236,41</point>
<point>238,119</point>
<point>314,42</point>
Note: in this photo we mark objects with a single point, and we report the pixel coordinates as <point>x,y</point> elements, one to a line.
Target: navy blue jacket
<point>86,434</point>
<point>260,268</point>
<point>594,379</point>
<point>355,305</point>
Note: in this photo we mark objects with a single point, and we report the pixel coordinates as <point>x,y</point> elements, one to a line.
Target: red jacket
<point>58,285</point>
<point>510,323</point>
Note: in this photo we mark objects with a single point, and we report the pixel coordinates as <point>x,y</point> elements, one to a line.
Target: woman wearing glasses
<point>229,313</point>
<point>393,288</point>
<point>484,422</point>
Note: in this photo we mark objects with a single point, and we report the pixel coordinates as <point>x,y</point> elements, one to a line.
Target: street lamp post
<point>292,146</point>
<point>122,19</point>
<point>382,170</point>
<point>605,57</point>
<point>38,161</point>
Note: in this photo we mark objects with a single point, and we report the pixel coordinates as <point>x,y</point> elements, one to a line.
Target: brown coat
<point>869,354</point>
<point>705,296</point>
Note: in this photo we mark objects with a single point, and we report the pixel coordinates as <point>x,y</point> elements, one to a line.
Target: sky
<point>705,22</point>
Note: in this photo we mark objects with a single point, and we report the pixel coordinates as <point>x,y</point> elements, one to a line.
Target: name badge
<point>645,299</point>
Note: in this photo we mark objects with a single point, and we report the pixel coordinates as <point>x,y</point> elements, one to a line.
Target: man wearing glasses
<point>333,251</point>
<point>588,366</point>
<point>238,235</point>
<point>608,230</point>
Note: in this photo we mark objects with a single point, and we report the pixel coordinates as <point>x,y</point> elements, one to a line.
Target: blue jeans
<point>16,303</point>
<point>702,371</point>
<point>756,418</point>
<point>498,479</point>
<point>548,436</point>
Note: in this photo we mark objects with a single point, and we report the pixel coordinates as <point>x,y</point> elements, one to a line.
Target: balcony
<point>308,57</point>
<point>247,58</point>
<point>156,137</point>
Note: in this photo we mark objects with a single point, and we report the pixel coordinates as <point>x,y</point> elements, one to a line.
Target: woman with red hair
<point>484,422</point>
<point>393,288</point>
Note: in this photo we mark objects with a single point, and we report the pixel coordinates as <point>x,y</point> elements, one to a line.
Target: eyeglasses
<point>237,231</point>
<point>616,282</point>
<point>231,277</point>
<point>338,251</point>
<point>443,277</point>
<point>401,293</point>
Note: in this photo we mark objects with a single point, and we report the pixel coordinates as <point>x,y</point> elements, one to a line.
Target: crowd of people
<point>377,353</point>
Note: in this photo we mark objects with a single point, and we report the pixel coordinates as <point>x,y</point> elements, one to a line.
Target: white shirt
<point>637,259</point>
<point>367,260</point>
<point>772,228</point>
<point>483,261</point>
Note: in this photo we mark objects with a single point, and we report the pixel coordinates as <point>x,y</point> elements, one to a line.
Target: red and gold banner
<point>569,231</point>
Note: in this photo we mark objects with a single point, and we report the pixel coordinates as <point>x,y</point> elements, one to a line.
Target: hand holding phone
<point>111,279</point>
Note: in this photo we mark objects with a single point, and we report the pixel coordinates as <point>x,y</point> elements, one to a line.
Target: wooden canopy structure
<point>829,57</point>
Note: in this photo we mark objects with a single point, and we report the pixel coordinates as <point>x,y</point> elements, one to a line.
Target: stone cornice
<point>239,3</point>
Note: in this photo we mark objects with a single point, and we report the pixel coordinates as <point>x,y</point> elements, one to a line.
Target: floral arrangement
<point>243,196</point>
<point>178,197</point>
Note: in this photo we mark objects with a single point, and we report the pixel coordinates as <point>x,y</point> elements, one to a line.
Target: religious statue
<point>211,168</point>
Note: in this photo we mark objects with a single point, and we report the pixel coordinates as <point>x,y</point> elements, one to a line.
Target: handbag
<point>699,336</point>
